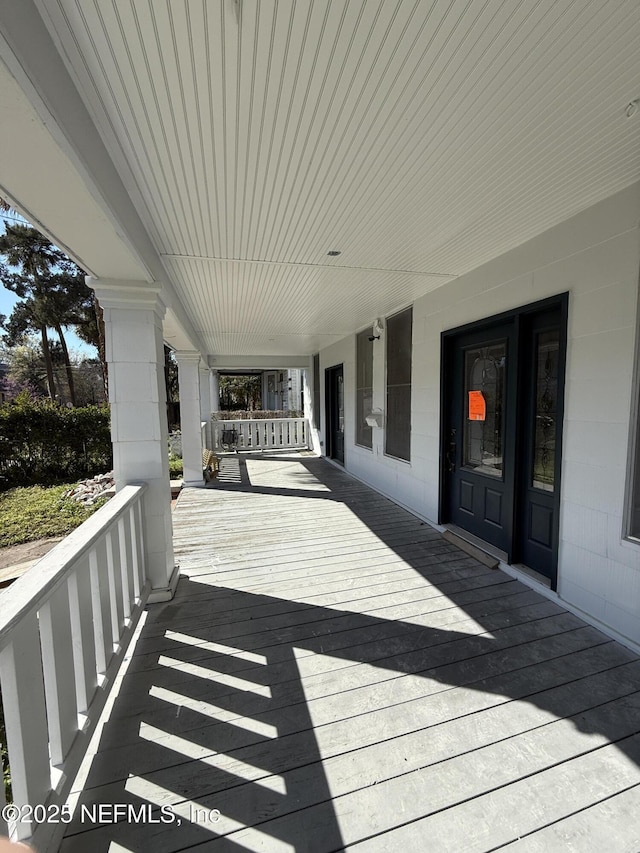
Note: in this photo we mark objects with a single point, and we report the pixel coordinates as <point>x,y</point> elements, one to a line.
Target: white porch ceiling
<point>419,138</point>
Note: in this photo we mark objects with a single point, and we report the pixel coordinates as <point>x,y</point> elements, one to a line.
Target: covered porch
<point>332,674</point>
<point>332,187</point>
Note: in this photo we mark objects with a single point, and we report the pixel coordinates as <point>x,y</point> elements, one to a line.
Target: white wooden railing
<point>64,628</point>
<point>267,434</point>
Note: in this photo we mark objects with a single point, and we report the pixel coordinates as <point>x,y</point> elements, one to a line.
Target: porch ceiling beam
<point>262,362</point>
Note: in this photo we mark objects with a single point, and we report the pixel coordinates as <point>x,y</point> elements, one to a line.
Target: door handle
<point>451,452</point>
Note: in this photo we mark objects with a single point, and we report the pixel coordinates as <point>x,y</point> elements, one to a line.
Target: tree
<point>31,315</point>
<point>172,388</point>
<point>89,327</point>
<point>240,393</point>
<point>26,367</point>
<point>53,293</point>
<point>26,371</point>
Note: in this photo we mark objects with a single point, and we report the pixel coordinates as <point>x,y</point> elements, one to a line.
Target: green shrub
<point>42,442</point>
<point>175,467</point>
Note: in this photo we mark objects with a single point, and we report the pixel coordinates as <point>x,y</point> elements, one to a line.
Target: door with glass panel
<point>479,438</point>
<point>502,431</point>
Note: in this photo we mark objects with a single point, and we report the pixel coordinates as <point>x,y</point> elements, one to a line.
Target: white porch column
<point>133,313</point>
<point>214,390</point>
<point>189,383</point>
<point>205,402</point>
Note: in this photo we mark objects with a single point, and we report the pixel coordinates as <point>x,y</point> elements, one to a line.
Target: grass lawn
<point>38,512</point>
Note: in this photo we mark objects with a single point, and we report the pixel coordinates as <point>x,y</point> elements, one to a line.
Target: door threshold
<point>533,574</point>
<point>483,552</point>
<point>492,556</point>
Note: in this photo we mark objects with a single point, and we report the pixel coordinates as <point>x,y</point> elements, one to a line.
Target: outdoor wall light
<point>378,329</point>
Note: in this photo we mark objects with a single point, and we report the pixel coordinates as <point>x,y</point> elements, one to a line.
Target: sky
<point>9,299</point>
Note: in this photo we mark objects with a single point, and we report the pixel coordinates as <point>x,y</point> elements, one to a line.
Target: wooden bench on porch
<point>210,464</point>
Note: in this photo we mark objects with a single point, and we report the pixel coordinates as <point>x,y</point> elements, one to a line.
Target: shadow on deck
<point>333,675</point>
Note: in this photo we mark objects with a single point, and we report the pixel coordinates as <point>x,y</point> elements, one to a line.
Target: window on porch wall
<point>634,508</point>
<point>398,420</point>
<point>632,502</point>
<point>316,390</point>
<point>364,387</point>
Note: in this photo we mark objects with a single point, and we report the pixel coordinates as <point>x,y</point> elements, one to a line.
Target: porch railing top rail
<point>252,420</point>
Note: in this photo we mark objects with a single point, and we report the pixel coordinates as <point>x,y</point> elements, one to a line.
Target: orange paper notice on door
<point>477,406</point>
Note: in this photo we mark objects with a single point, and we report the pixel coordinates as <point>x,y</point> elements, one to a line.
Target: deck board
<point>332,674</point>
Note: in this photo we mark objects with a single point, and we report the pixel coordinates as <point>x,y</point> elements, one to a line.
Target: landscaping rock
<point>175,443</point>
<point>87,492</point>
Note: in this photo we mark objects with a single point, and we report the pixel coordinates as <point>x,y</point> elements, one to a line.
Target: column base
<point>165,593</point>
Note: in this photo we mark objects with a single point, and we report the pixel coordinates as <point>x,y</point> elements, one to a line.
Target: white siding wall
<point>594,256</point>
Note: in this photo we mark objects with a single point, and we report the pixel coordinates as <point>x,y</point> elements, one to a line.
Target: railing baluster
<point>100,586</point>
<point>140,546</point>
<point>115,584</point>
<point>126,580</point>
<point>25,717</point>
<point>82,633</point>
<point>135,556</point>
<point>59,676</point>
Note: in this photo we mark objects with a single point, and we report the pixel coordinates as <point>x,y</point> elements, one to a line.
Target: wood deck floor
<point>333,675</point>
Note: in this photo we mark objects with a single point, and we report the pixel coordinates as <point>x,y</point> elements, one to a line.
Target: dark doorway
<point>334,385</point>
<point>503,382</point>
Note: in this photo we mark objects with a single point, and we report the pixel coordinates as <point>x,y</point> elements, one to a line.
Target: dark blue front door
<point>335,413</point>
<point>502,431</point>
<point>481,432</point>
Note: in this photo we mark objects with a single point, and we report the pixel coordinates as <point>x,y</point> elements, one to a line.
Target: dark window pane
<point>316,391</point>
<point>634,523</point>
<point>484,370</point>
<point>364,387</point>
<point>399,348</point>
<point>398,415</point>
<point>544,448</point>
<point>398,433</point>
